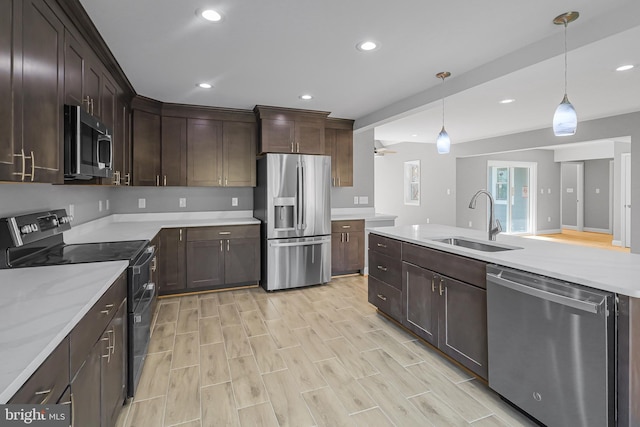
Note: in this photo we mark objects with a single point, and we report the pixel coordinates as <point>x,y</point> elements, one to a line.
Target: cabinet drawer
<point>90,328</point>
<point>385,246</point>
<point>385,268</point>
<point>49,381</point>
<point>230,232</point>
<point>347,226</point>
<point>387,298</point>
<point>464,269</point>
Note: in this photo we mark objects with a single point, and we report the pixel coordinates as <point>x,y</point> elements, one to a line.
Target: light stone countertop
<point>366,217</point>
<point>602,269</point>
<point>39,306</point>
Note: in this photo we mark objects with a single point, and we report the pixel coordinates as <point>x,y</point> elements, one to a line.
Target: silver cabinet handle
<point>338,181</point>
<point>224,232</point>
<point>157,180</point>
<point>380,245</point>
<point>440,287</point>
<point>334,181</point>
<point>127,179</point>
<point>219,180</point>
<point>347,237</point>
<point>382,268</point>
<point>33,167</point>
<point>433,284</point>
<point>46,394</point>
<point>181,234</point>
<point>221,245</point>
<point>227,245</point>
<point>382,297</point>
<point>346,226</point>
<point>298,146</point>
<point>226,181</point>
<point>292,146</point>
<point>24,165</point>
<point>164,180</point>
<point>107,309</point>
<point>116,178</point>
<point>341,237</point>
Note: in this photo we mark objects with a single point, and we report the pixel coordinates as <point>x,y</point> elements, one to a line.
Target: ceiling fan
<point>380,150</point>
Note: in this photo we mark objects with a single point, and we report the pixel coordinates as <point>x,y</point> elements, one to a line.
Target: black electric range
<point>36,239</point>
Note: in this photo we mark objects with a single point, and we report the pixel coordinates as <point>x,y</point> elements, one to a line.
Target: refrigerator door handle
<point>307,243</point>
<point>298,194</point>
<point>302,197</point>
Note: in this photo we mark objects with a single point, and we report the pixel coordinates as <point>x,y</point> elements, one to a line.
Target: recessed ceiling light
<point>624,68</point>
<point>306,97</point>
<point>367,46</point>
<point>414,135</point>
<point>507,101</point>
<point>211,15</point>
<point>204,85</point>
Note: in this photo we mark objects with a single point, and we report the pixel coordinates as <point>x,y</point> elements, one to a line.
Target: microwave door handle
<point>101,165</point>
<point>110,152</point>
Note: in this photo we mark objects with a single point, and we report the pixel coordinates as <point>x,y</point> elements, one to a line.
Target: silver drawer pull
<point>380,267</point>
<point>107,309</point>
<point>380,245</point>
<point>382,297</point>
<point>346,226</point>
<point>224,232</point>
<point>46,394</point>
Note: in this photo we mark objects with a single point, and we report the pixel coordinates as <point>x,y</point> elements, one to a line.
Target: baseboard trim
<point>549,231</point>
<point>597,230</point>
<point>616,243</point>
<point>569,227</point>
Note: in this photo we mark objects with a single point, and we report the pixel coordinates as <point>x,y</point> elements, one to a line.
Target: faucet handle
<point>498,226</point>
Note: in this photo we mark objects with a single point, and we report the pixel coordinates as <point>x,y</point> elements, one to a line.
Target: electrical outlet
<point>448,191</point>
<point>428,220</point>
<point>182,202</point>
<point>99,205</point>
<point>355,200</point>
<point>548,190</point>
<point>597,191</point>
<point>470,224</point>
<point>364,200</point>
<point>107,204</point>
<point>234,201</point>
<point>548,219</point>
<point>542,191</point>
<point>142,203</point>
<point>72,210</point>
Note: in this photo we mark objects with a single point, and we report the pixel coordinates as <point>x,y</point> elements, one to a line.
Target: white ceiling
<point>270,52</point>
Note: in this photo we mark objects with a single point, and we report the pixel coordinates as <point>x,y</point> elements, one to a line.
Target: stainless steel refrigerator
<point>293,201</point>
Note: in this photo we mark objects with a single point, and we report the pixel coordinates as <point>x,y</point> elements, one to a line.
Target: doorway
<point>513,187</point>
<point>572,198</point>
<point>625,196</point>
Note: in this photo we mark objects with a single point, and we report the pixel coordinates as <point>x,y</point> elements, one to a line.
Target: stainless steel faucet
<point>493,231</point>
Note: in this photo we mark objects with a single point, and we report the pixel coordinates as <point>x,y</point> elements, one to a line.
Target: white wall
<point>438,174</point>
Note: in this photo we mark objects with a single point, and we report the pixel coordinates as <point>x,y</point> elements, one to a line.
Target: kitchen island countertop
<point>597,268</point>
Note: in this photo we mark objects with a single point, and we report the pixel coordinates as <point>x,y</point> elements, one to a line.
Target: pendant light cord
<point>442,90</point>
<point>565,57</point>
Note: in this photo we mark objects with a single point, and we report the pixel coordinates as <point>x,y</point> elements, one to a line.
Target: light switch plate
<point>234,201</point>
<point>107,204</point>
<point>355,200</point>
<point>142,203</point>
<point>99,205</point>
<point>182,202</point>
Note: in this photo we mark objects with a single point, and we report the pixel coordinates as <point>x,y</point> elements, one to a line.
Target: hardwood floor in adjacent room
<point>317,356</point>
<point>582,238</point>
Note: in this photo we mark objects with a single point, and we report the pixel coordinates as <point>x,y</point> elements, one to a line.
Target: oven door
<point>139,335</point>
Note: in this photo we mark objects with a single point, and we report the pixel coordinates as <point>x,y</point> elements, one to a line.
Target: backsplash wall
<point>28,197</point>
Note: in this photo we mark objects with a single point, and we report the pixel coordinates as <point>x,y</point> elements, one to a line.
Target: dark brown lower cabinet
<point>203,258</point>
<point>171,260</point>
<point>85,389</point>
<point>113,370</point>
<point>448,313</point>
<point>347,247</point>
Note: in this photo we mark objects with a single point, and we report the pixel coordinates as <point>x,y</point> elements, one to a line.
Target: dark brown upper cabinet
<point>338,136</point>
<point>198,146</point>
<point>174,151</point>
<point>146,143</point>
<point>287,130</point>
<point>7,35</point>
<point>38,90</point>
<point>204,148</point>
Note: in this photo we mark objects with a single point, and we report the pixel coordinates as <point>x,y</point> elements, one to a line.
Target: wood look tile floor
<point>317,356</point>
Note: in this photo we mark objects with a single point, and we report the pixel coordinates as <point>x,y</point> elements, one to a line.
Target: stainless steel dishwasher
<point>552,348</point>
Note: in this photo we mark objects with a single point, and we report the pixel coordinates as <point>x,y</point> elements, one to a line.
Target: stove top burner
<point>84,252</point>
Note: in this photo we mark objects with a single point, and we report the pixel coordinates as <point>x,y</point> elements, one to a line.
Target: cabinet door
<point>354,251</point>
<point>337,249</point>
<point>7,137</point>
<point>420,292</point>
<point>205,263</point>
<point>278,136</point>
<point>239,152</point>
<point>121,141</point>
<point>92,84</point>
<point>41,93</point>
<point>343,158</point>
<point>73,70</point>
<point>204,152</point>
<point>171,266</point>
<point>463,325</point>
<point>242,261</point>
<point>309,137</point>
<point>108,96</point>
<point>146,148</point>
<point>113,367</point>
<point>85,388</point>
<point>330,150</point>
<point>174,151</point>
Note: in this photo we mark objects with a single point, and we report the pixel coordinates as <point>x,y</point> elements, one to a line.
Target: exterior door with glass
<point>511,187</point>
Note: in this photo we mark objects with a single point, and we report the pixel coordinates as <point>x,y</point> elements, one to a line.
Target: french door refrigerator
<point>293,201</point>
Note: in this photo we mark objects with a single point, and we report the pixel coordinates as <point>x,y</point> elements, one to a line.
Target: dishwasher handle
<point>546,295</point>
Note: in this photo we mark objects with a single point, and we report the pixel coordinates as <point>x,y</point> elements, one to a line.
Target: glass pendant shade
<point>565,119</point>
<point>443,143</point>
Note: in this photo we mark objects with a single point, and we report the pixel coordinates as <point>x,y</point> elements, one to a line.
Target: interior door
<point>626,200</point>
<point>572,176</point>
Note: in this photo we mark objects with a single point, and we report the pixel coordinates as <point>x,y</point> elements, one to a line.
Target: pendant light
<point>443,143</point>
<point>565,119</point>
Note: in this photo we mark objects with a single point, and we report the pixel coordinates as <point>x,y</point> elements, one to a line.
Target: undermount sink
<point>478,245</point>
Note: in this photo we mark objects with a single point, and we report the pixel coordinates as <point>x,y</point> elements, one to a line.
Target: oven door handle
<point>149,252</point>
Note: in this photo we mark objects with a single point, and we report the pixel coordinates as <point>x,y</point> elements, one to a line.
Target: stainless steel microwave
<point>88,147</point>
